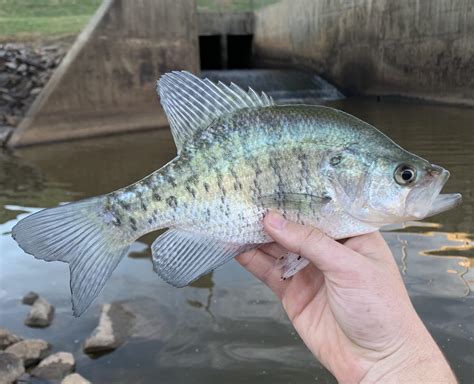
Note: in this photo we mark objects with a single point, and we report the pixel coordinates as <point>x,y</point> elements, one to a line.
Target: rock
<point>41,314</point>
<point>22,68</point>
<point>55,367</point>
<point>7,338</point>
<point>75,378</point>
<point>11,65</point>
<point>11,368</point>
<point>35,91</point>
<point>13,121</point>
<point>114,326</point>
<point>29,298</point>
<point>4,79</point>
<point>31,351</point>
<point>52,47</point>
<point>8,98</point>
<point>26,378</point>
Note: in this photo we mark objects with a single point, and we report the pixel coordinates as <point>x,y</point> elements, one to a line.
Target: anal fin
<point>180,257</point>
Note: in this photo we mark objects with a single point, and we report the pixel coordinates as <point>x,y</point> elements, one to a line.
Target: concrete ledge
<point>106,82</point>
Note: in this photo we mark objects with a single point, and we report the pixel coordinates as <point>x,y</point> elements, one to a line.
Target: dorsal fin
<point>191,103</point>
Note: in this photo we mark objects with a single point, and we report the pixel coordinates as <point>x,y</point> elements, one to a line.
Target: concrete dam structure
<point>415,48</point>
<point>106,83</point>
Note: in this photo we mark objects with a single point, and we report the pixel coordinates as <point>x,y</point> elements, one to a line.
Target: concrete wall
<point>419,48</point>
<point>225,23</point>
<point>106,82</point>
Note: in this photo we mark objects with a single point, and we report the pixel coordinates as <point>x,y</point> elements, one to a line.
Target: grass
<point>23,19</point>
<point>232,5</point>
<point>26,19</point>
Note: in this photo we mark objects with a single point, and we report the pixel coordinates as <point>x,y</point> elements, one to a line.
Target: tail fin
<point>76,234</point>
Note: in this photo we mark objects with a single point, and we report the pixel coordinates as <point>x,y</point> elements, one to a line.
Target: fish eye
<point>405,174</point>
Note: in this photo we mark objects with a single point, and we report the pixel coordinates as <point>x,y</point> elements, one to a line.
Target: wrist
<point>418,360</point>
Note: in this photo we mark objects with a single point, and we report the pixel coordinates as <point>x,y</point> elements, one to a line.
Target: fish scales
<point>258,163</point>
<point>239,156</point>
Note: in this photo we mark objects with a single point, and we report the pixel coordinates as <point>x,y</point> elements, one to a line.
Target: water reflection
<point>24,183</point>
<point>427,274</point>
<point>226,327</point>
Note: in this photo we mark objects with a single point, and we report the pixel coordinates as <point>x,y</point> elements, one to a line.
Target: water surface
<point>227,327</point>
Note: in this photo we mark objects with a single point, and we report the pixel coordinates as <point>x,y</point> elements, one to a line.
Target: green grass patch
<point>232,5</point>
<point>42,18</point>
<point>21,19</point>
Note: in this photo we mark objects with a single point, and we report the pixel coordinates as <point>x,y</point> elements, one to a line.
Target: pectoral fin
<point>291,264</point>
<point>180,257</point>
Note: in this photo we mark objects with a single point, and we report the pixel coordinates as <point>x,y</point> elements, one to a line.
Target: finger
<point>372,245</point>
<point>262,266</point>
<point>324,252</point>
<point>275,250</point>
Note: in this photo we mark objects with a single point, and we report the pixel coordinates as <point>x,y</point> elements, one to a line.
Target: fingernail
<point>276,221</point>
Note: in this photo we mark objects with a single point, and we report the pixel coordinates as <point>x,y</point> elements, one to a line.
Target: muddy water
<point>227,327</point>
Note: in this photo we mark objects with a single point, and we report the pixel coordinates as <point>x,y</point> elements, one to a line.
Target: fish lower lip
<point>445,201</point>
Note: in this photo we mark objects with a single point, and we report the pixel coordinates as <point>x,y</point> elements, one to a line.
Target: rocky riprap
<point>30,351</point>
<point>31,361</point>
<point>11,368</point>
<point>24,71</point>
<point>75,378</point>
<point>114,326</point>
<point>7,338</point>
<point>30,298</point>
<point>55,367</point>
<point>41,313</point>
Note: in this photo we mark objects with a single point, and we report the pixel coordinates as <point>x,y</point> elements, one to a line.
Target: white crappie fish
<point>239,155</point>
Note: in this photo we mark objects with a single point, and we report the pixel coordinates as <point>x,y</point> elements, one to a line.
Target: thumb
<point>325,253</point>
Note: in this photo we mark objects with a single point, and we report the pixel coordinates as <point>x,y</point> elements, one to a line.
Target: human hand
<point>349,305</point>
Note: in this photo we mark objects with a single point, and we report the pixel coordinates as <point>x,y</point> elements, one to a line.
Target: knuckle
<point>312,238</point>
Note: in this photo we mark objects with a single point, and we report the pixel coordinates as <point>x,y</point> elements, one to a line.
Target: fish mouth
<point>444,202</point>
<point>430,192</point>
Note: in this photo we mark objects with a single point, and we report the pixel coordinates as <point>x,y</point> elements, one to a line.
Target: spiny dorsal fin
<point>191,103</point>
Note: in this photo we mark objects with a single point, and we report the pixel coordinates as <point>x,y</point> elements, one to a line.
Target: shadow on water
<point>227,326</point>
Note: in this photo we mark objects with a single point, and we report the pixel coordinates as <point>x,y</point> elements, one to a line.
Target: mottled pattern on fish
<point>217,183</point>
<point>239,155</point>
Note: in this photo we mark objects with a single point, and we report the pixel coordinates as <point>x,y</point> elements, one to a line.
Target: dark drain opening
<point>239,50</point>
<point>225,52</point>
<point>210,52</point>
